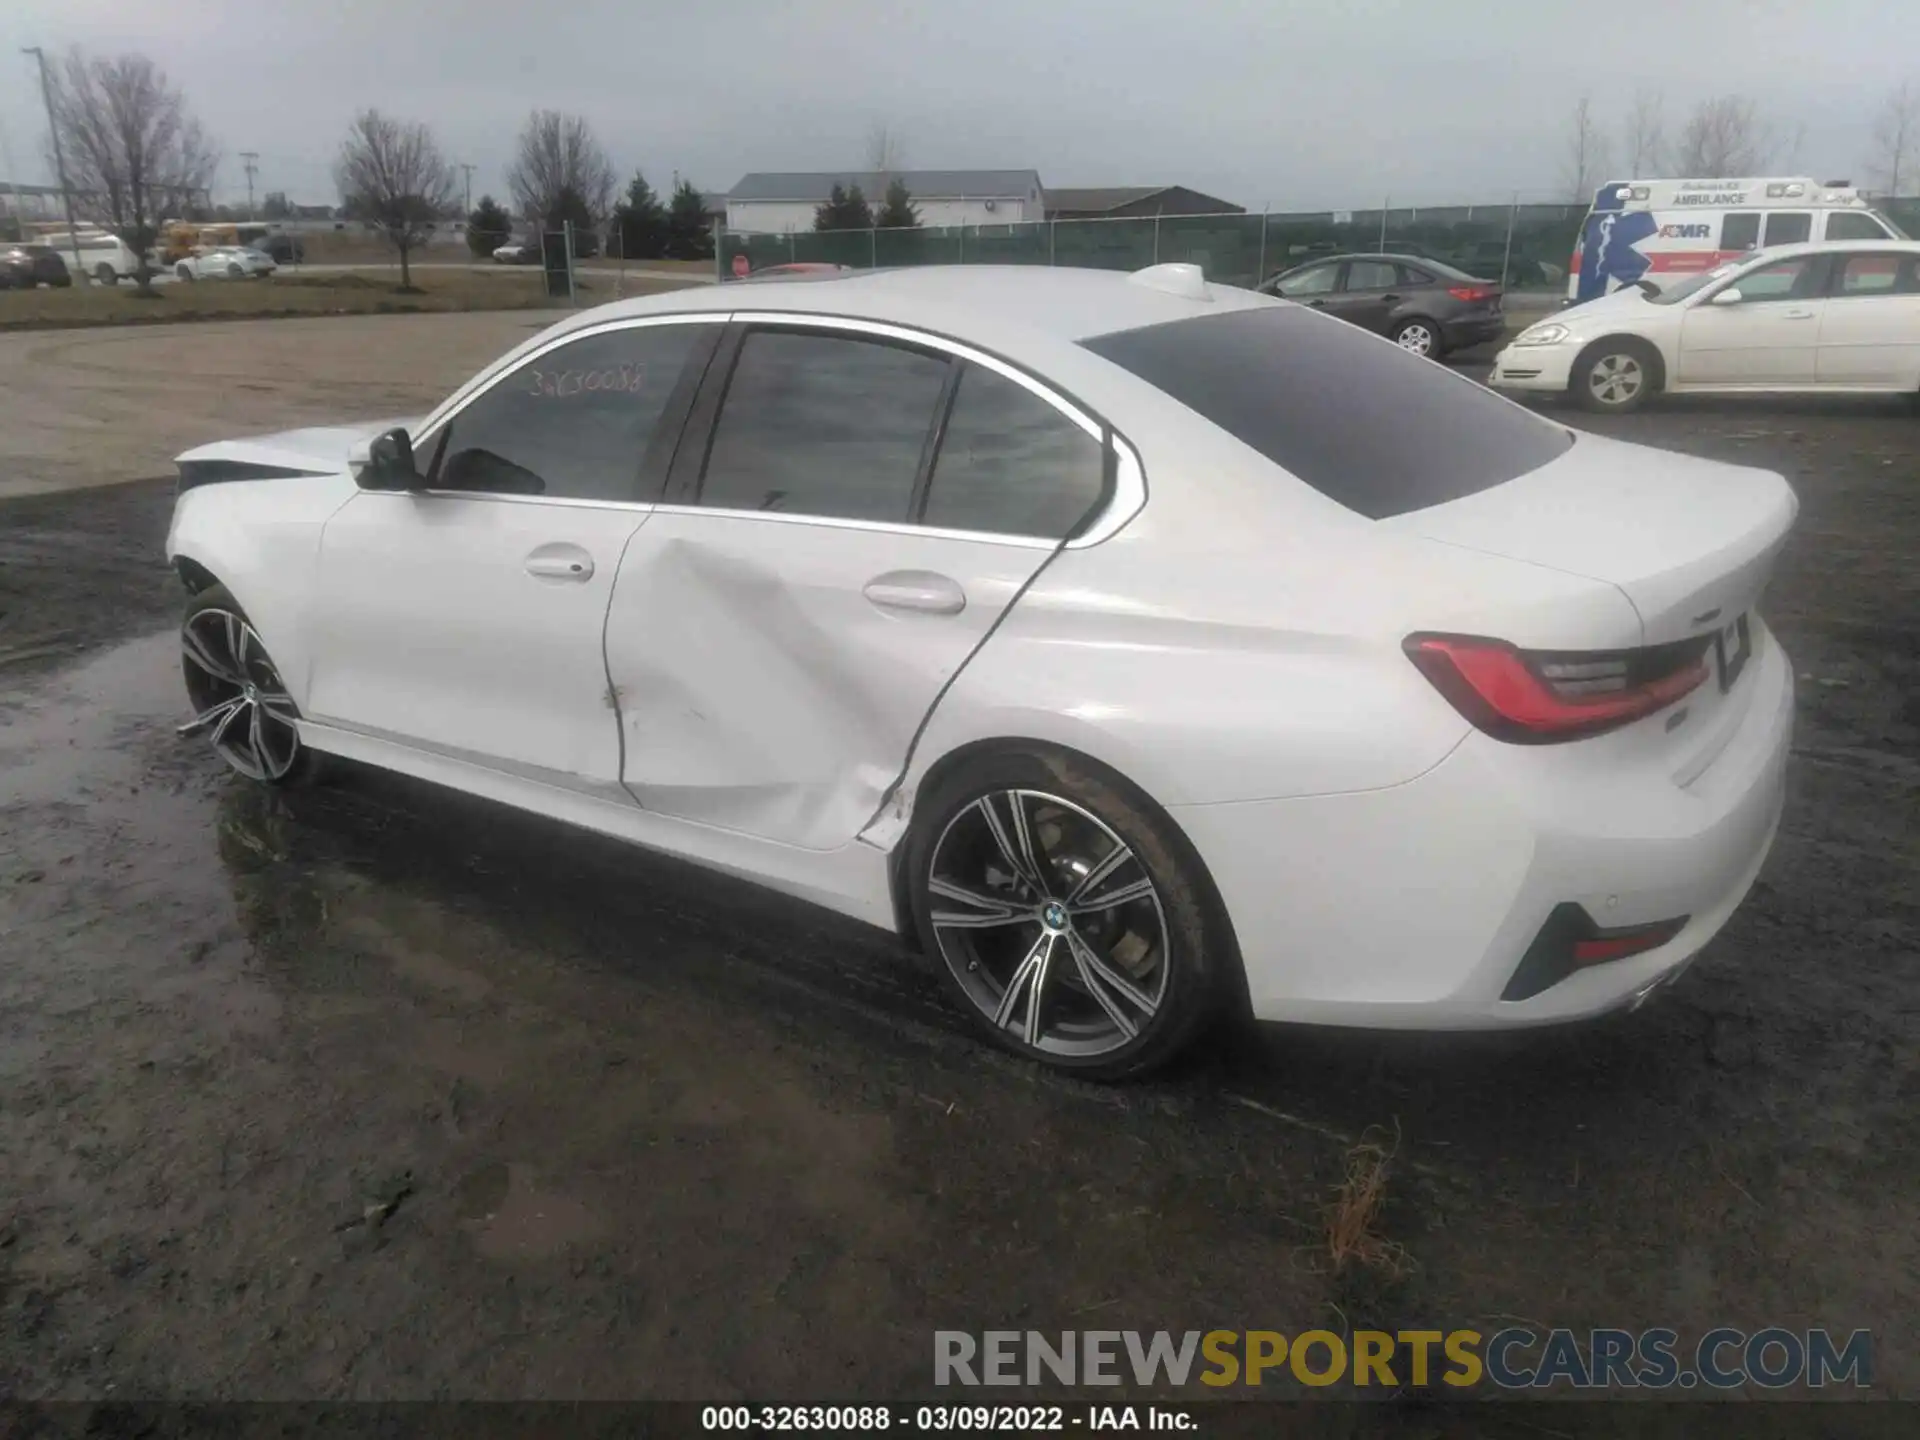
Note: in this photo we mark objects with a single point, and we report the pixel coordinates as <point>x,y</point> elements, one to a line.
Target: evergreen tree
<point>829,213</point>
<point>688,237</point>
<point>859,214</point>
<point>641,221</point>
<point>488,228</point>
<point>899,212</point>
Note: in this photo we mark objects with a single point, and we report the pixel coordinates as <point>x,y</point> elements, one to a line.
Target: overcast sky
<point>1304,105</point>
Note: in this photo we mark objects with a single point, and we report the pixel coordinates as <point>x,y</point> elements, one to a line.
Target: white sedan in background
<point>1839,317</point>
<point>1138,648</point>
<point>236,262</point>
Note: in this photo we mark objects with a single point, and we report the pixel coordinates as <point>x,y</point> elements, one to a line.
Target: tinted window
<point>821,425</point>
<point>1010,463</point>
<point>1878,275</point>
<point>1740,232</point>
<point>1369,275</point>
<point>1317,281</point>
<point>1411,276</point>
<point>1852,225</point>
<point>573,423</point>
<point>1363,422</point>
<point>1787,228</point>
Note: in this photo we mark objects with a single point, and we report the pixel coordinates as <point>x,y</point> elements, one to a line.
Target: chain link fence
<point>1525,245</point>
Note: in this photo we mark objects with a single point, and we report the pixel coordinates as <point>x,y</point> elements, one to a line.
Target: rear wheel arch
<point>1062,759</point>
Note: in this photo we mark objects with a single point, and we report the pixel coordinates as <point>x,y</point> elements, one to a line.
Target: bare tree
<point>1896,140</point>
<point>130,145</point>
<point>391,174</point>
<point>1585,163</point>
<point>560,172</point>
<point>886,155</point>
<point>1644,139</point>
<point>1722,139</point>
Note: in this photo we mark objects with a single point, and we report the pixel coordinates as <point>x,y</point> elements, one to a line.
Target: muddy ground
<point>370,1091</point>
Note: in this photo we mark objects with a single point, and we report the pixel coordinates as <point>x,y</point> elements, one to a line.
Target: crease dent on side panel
<point>614,697</point>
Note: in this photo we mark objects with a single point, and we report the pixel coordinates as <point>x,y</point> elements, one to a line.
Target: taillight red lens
<point>1540,698</point>
<point>1470,292</point>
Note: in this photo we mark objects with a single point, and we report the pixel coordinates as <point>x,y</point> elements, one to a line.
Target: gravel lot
<point>370,1091</point>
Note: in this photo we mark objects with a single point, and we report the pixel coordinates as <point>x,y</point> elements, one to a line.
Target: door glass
<point>1411,276</point>
<point>1740,232</point>
<point>823,425</point>
<point>1868,275</point>
<point>1781,281</point>
<point>573,423</point>
<point>1317,281</point>
<point>1011,464</point>
<point>1787,227</point>
<point>1369,275</point>
<point>1852,225</point>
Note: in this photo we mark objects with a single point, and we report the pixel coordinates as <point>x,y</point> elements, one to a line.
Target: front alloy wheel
<point>239,701</point>
<point>1616,381</point>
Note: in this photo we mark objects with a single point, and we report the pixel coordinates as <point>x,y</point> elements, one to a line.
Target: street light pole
<point>469,169</point>
<point>248,157</point>
<point>59,160</point>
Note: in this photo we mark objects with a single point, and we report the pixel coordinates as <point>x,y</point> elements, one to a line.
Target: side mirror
<point>1729,296</point>
<point>387,463</point>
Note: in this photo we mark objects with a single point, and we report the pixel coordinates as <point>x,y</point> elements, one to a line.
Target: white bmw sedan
<point>1137,648</point>
<point>235,262</point>
<point>1837,318</point>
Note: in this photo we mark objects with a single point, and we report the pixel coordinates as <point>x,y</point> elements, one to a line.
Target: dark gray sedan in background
<point>1421,305</point>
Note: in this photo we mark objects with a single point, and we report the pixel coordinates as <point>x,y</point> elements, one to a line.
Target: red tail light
<point>1541,697</point>
<point>1471,292</point>
<point>1573,265</point>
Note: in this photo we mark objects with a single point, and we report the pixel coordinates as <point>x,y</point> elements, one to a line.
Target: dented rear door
<point>853,510</point>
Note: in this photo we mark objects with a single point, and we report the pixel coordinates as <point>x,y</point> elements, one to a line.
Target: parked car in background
<point>238,262</point>
<point>26,266</point>
<point>917,594</point>
<point>1836,317</point>
<point>282,249</point>
<point>1422,305</point>
<point>518,252</point>
<point>103,258</point>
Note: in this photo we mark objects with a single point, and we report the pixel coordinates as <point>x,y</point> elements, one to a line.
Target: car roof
<point>965,302</point>
<point>1838,247</point>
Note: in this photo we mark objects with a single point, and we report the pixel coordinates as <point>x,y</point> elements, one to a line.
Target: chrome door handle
<point>1799,315</point>
<point>560,562</point>
<point>919,590</point>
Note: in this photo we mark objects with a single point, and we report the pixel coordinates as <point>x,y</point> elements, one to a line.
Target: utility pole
<point>249,157</point>
<point>59,160</point>
<point>469,169</point>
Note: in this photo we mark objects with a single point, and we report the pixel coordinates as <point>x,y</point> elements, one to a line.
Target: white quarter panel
<point>1871,340</point>
<point>429,627</point>
<point>761,689</point>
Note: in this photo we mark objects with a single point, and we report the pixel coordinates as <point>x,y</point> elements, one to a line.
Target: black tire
<point>1406,334</point>
<point>251,690</point>
<point>234,272</point>
<point>105,275</point>
<point>1070,800</point>
<point>1615,376</point>
<point>184,272</point>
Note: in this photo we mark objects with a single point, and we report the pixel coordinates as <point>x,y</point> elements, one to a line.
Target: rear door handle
<point>918,590</point>
<point>560,561</point>
<point>1799,315</point>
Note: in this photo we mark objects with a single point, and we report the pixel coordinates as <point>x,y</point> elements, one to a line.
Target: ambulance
<point>1651,229</point>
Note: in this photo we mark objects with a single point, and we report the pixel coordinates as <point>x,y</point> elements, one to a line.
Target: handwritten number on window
<point>562,384</point>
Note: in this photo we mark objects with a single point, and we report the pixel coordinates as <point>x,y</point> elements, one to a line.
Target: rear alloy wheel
<point>185,272</point>
<point>1066,918</point>
<point>239,701</point>
<point>1418,337</point>
<point>234,272</point>
<point>105,275</point>
<point>1613,379</point>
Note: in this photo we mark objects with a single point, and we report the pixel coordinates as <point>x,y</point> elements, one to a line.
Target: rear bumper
<point>1411,907</point>
<point>1473,330</point>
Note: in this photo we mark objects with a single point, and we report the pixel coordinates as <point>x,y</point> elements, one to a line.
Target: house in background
<point>1122,202</point>
<point>774,202</point>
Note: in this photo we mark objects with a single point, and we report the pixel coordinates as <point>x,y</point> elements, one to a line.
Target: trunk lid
<point>1691,543</point>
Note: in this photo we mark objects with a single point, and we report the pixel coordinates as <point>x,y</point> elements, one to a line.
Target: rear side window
<point>1012,464</point>
<point>1787,227</point>
<point>1878,275</point>
<point>1740,232</point>
<point>823,425</point>
<point>1369,275</point>
<point>1360,420</point>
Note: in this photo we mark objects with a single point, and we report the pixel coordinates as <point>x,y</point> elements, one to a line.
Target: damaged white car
<point>1139,648</point>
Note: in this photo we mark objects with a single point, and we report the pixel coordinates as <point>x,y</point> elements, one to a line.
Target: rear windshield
<point>1362,421</point>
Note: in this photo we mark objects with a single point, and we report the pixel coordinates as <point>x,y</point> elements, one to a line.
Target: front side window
<point>1787,227</point>
<point>1369,275</point>
<point>1317,281</point>
<point>827,425</point>
<point>573,423</point>
<point>1011,464</point>
<point>1782,280</point>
